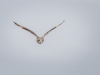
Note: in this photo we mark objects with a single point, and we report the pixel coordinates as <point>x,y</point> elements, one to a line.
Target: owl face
<point>40,40</point>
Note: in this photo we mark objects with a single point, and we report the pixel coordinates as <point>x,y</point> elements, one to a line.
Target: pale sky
<point>71,49</point>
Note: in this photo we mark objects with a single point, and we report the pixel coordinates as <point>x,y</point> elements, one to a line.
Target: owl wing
<point>25,29</point>
<point>52,29</point>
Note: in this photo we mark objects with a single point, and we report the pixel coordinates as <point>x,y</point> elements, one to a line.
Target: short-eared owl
<point>39,40</point>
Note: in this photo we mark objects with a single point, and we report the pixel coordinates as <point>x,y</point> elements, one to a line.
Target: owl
<point>39,40</point>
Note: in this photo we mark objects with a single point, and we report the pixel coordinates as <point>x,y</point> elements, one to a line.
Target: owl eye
<point>38,40</point>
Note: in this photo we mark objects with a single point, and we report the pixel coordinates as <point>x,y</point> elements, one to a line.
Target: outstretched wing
<point>25,29</point>
<point>52,29</point>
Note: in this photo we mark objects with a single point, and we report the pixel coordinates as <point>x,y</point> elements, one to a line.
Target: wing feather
<point>25,29</point>
<point>52,29</point>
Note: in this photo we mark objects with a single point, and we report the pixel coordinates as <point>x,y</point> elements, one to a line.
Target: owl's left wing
<point>52,29</point>
<point>25,29</point>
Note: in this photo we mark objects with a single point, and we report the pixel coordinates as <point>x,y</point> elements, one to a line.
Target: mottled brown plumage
<point>39,40</point>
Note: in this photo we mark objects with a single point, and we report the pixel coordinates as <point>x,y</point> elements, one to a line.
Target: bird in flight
<point>39,40</point>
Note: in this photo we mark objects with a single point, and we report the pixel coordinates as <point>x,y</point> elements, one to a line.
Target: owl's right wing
<point>26,29</point>
<point>52,29</point>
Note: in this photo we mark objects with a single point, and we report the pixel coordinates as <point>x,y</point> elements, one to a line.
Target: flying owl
<point>39,40</point>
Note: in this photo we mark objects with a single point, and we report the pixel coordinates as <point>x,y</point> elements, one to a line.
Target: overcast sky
<point>71,49</point>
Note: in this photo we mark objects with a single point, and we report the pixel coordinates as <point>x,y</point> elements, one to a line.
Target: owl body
<point>40,40</point>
